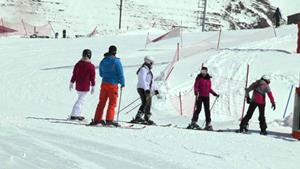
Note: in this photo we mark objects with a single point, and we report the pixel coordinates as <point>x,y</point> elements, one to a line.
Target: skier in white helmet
<point>260,89</point>
<point>145,87</point>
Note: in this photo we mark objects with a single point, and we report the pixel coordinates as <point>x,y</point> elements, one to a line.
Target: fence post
<point>147,40</point>
<point>24,27</point>
<point>247,76</point>
<point>219,39</point>
<point>51,27</point>
<point>181,34</point>
<point>180,103</point>
<point>2,24</point>
<point>177,52</point>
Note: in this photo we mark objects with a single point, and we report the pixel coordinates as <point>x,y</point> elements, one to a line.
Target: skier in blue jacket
<point>111,71</point>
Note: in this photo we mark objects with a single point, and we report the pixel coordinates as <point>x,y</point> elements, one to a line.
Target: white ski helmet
<point>266,78</point>
<point>149,60</point>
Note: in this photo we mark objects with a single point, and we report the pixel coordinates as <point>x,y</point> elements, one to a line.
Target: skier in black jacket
<point>277,16</point>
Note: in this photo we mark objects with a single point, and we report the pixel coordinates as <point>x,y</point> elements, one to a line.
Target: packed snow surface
<point>35,75</point>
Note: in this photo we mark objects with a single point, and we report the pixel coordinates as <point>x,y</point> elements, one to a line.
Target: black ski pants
<point>199,101</point>
<point>261,118</point>
<point>145,107</point>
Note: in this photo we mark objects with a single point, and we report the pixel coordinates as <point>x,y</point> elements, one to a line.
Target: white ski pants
<point>77,108</point>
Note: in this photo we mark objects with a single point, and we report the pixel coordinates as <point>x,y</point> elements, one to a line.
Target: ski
<point>131,126</point>
<point>157,125</point>
<point>199,129</point>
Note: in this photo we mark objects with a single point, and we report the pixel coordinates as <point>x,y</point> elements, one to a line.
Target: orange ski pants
<point>107,92</point>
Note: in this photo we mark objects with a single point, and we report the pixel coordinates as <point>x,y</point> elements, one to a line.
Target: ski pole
<point>119,104</point>
<point>133,108</point>
<point>214,103</point>
<point>287,104</point>
<point>129,104</point>
<point>136,106</point>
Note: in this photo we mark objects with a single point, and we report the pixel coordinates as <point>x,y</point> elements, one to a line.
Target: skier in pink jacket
<point>202,89</point>
<point>260,89</point>
<point>84,78</point>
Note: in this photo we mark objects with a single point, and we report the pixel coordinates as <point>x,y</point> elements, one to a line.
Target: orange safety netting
<point>25,29</point>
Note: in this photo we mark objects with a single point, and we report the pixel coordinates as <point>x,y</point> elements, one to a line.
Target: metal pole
<point>120,17</point>
<point>214,104</point>
<point>119,105</point>
<point>130,104</point>
<point>288,101</point>
<point>204,15</point>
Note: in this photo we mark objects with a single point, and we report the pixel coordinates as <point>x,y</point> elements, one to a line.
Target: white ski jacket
<point>145,79</point>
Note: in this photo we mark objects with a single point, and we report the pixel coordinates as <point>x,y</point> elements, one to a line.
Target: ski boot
<point>148,122</point>
<point>137,120</point>
<point>243,129</point>
<point>194,126</point>
<point>112,123</point>
<point>94,123</point>
<point>208,127</point>
<point>80,118</point>
<point>263,132</point>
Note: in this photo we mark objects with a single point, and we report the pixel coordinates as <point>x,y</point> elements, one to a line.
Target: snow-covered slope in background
<point>82,16</point>
<point>35,99</point>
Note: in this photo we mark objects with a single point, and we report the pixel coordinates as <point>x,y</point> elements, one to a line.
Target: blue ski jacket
<point>111,70</point>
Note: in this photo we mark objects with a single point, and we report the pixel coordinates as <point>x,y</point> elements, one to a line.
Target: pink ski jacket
<point>202,86</point>
<point>260,89</point>
<point>84,75</point>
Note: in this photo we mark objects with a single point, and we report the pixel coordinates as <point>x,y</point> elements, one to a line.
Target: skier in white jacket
<point>145,87</point>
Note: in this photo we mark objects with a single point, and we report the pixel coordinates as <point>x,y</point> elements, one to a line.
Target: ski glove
<point>71,86</point>
<point>92,90</point>
<point>273,106</point>
<point>156,92</point>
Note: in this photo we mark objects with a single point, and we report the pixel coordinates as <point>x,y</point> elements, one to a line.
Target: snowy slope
<point>82,16</point>
<point>35,74</point>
